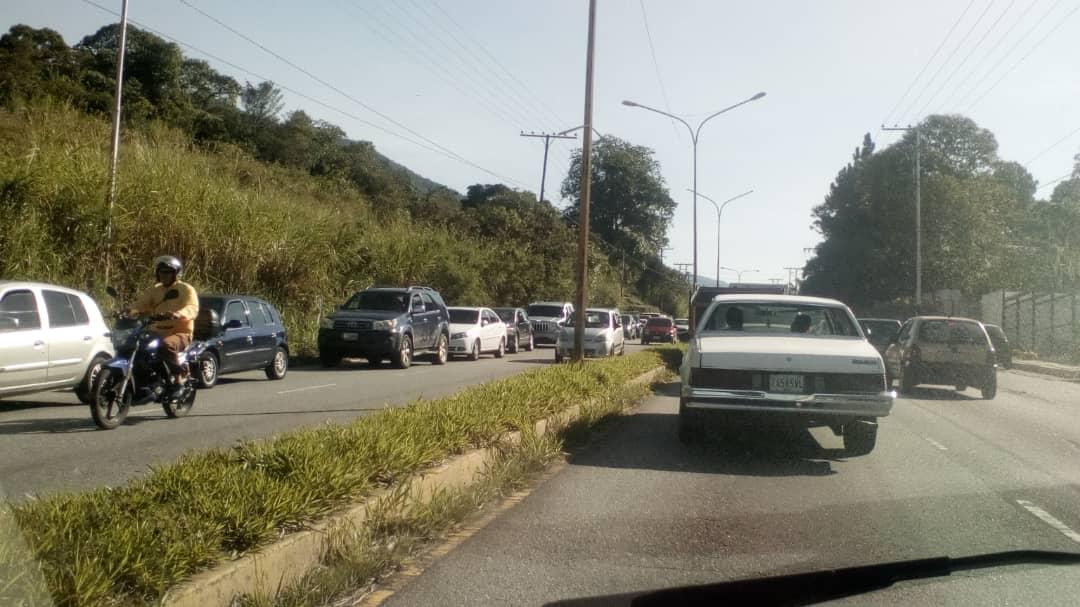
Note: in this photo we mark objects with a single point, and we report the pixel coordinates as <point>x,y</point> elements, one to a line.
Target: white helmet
<point>168,262</point>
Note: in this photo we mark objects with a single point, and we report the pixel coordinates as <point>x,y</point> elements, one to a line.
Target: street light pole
<point>694,135</point>
<point>738,273</point>
<point>114,152</point>
<point>719,212</point>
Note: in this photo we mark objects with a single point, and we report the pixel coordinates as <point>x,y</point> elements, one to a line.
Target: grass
<point>129,544</point>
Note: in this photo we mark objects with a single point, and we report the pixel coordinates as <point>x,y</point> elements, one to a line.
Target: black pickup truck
<point>398,323</point>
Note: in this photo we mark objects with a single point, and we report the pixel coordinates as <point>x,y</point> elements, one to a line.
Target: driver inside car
<point>178,302</point>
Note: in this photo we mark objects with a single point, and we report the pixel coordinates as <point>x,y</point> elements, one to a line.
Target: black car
<point>519,333</point>
<point>242,333</point>
<point>1002,347</point>
<point>879,331</point>
<point>398,323</point>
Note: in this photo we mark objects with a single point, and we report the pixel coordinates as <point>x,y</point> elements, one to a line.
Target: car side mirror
<point>9,324</point>
<point>234,324</point>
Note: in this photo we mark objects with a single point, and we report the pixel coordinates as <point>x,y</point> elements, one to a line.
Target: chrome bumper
<point>864,405</point>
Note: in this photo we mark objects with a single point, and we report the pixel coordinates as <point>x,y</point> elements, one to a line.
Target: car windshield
<point>464,317</point>
<point>658,322</point>
<point>768,318</point>
<point>390,301</point>
<point>593,320</point>
<point>545,311</point>
<point>950,332</point>
<point>506,314</point>
<point>880,329</point>
<point>996,333</point>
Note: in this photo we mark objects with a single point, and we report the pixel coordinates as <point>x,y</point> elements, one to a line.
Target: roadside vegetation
<point>129,544</point>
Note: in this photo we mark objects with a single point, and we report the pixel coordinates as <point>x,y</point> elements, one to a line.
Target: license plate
<point>350,336</point>
<point>791,384</point>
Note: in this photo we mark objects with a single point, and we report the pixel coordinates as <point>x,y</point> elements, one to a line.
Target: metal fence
<point>1045,323</point>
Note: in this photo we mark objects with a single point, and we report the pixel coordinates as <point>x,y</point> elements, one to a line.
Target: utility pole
<point>918,211</point>
<point>793,275</point>
<point>586,190</point>
<point>547,137</point>
<point>114,152</point>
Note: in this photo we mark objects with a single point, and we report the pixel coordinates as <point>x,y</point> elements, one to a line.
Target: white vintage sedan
<point>801,359</point>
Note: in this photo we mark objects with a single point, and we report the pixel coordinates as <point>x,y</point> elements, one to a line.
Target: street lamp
<point>694,133</point>
<point>738,273</point>
<point>719,212</point>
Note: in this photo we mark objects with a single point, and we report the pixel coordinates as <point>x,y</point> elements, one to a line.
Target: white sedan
<point>474,331</point>
<point>801,359</point>
<point>604,334</point>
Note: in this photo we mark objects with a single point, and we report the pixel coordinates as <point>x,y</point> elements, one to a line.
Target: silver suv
<point>547,318</point>
<point>50,338</point>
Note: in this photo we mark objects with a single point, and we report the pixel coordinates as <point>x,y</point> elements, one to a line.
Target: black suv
<point>394,323</point>
<point>242,333</point>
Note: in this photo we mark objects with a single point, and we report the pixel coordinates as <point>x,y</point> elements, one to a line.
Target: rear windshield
<point>658,322</point>
<point>391,301</point>
<point>548,311</point>
<point>950,332</point>
<point>593,320</point>
<point>778,318</point>
<point>464,317</point>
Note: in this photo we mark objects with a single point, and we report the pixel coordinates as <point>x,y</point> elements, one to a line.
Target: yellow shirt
<point>185,303</point>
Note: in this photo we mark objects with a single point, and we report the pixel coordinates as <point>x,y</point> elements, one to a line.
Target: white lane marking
<point>305,389</point>
<point>1047,518</point>
<point>936,444</point>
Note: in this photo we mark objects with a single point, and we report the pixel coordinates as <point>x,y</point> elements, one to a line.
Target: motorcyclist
<point>178,302</point>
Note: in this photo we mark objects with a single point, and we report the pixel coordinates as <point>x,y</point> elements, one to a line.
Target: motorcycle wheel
<point>182,406</point>
<point>108,409</point>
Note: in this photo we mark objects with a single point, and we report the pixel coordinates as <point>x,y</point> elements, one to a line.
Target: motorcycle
<point>138,374</point>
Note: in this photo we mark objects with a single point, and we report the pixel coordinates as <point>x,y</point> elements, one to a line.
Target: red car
<point>659,328</point>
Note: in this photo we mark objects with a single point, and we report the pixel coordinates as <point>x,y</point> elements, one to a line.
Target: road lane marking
<point>1047,518</point>
<point>305,389</point>
<point>936,444</point>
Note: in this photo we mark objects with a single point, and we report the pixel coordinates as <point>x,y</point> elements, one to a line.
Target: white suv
<point>50,338</point>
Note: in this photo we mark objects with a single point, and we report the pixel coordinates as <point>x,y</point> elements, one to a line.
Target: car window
<point>546,311</point>
<point>506,314</point>
<point>21,306</point>
<point>492,317</point>
<point>950,332</point>
<point>60,308</point>
<point>418,301</point>
<point>658,322</point>
<point>593,320</point>
<point>235,311</point>
<point>768,318</point>
<point>464,317</point>
<point>390,301</point>
<point>259,314</point>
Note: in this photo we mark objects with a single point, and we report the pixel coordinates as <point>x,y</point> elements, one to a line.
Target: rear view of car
<point>659,329</point>
<point>943,351</point>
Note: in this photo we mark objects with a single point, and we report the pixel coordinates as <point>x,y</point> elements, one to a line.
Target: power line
<point>964,61</point>
<point>656,68</point>
<point>1053,145</point>
<point>952,54</point>
<point>1053,181</point>
<point>928,62</point>
<point>343,93</point>
<point>1026,55</point>
<point>1009,52</point>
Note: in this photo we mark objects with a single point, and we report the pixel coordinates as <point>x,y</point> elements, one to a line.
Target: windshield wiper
<point>819,586</point>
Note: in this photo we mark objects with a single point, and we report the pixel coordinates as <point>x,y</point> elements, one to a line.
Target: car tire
<point>690,425</point>
<point>442,351</point>
<point>989,389</point>
<point>329,360</point>
<point>279,365</point>
<point>515,344</point>
<point>502,348</point>
<point>907,383</point>
<point>558,356</point>
<point>474,354</point>
<point>85,390</point>
<point>208,370</point>
<point>530,344</point>
<point>860,437</point>
<point>403,357</point>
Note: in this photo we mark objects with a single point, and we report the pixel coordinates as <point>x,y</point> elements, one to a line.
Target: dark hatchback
<point>1002,347</point>
<point>879,332</point>
<point>386,322</point>
<point>242,333</point>
<point>519,335</point>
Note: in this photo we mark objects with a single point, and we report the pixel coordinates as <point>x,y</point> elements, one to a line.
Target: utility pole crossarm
<point>547,137</point>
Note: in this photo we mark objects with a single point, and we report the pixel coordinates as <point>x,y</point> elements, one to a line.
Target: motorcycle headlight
<point>326,323</point>
<point>458,336</point>
<point>384,325</point>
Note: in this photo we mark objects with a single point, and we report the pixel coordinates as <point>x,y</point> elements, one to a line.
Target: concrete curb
<point>1051,369</point>
<point>280,564</point>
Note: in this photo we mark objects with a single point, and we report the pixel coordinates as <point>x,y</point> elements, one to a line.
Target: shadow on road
<point>932,393</point>
<point>66,425</point>
<point>19,405</point>
<point>298,412</point>
<point>754,448</point>
<point>534,361</point>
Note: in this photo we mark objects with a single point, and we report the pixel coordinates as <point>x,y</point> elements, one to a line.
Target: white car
<point>801,359</point>
<point>604,334</point>
<point>50,338</point>
<point>475,331</point>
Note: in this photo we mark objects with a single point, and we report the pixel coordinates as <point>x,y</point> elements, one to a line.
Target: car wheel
<point>530,344</point>
<point>690,425</point>
<point>515,344</point>
<point>208,370</point>
<point>279,366</point>
<point>989,390</point>
<point>474,354</point>
<point>502,349</point>
<point>860,436</point>
<point>442,351</point>
<point>622,348</point>
<point>403,357</point>
<point>907,382</point>
<point>85,389</point>
<point>558,355</point>
<point>329,359</point>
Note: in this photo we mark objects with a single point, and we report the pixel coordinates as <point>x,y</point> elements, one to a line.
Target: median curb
<point>1045,368</point>
<point>280,564</point>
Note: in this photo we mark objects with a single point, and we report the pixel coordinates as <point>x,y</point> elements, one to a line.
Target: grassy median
<point>129,544</point>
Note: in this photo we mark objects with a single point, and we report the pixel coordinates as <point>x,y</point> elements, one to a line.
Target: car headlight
<point>384,325</point>
<point>326,323</point>
<point>458,336</point>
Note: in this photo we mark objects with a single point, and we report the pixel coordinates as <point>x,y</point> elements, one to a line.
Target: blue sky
<point>833,70</point>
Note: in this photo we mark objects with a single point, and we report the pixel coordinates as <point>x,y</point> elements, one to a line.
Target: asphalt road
<point>48,442</point>
<point>952,475</point>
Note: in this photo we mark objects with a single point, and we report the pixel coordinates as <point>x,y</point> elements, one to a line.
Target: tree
<point>35,62</point>
<point>262,102</point>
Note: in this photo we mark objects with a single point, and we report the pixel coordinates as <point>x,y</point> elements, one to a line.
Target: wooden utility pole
<point>586,189</point>
<point>547,137</point>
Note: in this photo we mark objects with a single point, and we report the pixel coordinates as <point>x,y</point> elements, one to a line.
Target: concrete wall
<point>1047,323</point>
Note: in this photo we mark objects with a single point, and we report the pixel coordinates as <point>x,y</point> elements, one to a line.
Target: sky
<point>470,75</point>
